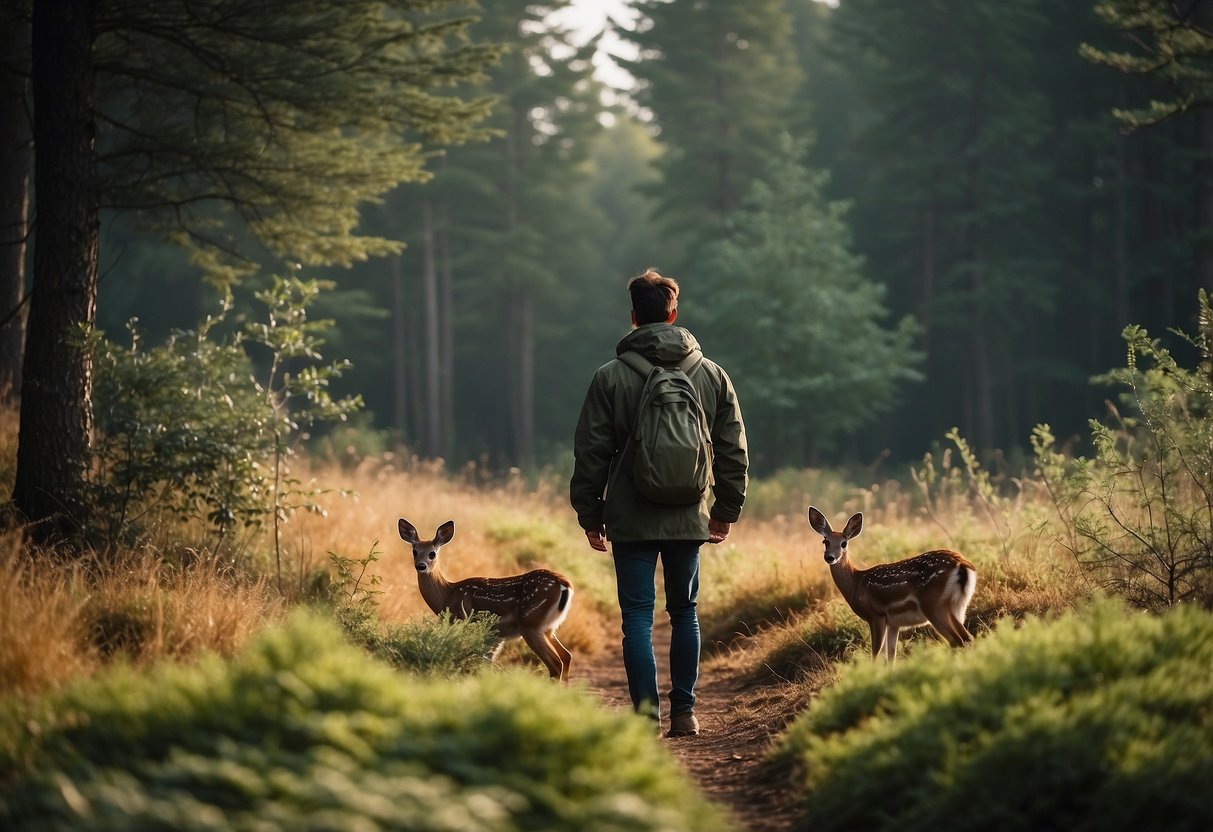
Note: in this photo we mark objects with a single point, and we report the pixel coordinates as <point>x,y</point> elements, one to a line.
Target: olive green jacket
<point>603,429</point>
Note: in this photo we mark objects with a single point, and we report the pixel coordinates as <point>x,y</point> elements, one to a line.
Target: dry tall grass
<point>501,528</point>
<point>43,629</point>
<point>60,620</point>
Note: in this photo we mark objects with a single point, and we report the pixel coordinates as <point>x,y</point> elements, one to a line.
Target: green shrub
<point>304,732</point>
<point>1099,720</point>
<point>442,646</point>
<point>1139,514</point>
<point>188,431</point>
<point>180,435</point>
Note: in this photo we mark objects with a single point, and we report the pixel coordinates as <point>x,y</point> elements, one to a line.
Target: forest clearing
<point>290,290</point>
<point>145,644</point>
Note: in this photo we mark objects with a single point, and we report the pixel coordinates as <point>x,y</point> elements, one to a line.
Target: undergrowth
<point>1099,720</point>
<point>303,731</point>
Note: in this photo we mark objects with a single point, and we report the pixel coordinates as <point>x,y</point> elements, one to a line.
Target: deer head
<point>425,552</point>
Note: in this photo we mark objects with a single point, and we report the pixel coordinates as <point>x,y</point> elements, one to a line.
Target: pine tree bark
<point>926,296</point>
<point>981,333</point>
<point>520,335</point>
<point>1203,13</point>
<point>1120,240</point>
<point>1203,176</point>
<point>16,148</point>
<point>526,377</point>
<point>429,275</point>
<point>56,406</point>
<point>400,415</point>
<point>446,335</point>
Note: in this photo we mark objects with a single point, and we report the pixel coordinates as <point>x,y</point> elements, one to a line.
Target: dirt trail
<point>737,724</point>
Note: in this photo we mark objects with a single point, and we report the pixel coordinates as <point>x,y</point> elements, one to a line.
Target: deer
<point>932,588</point>
<point>531,605</point>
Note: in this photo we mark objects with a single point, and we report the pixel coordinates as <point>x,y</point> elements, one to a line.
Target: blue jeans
<point>635,568</point>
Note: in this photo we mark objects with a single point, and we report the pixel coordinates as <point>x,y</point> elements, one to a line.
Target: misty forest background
<point>887,219</point>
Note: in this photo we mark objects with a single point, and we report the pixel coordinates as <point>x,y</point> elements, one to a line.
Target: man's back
<point>606,422</point>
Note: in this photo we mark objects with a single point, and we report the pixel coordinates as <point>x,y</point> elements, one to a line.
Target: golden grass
<point>61,618</point>
<point>147,610</point>
<point>760,590</point>
<point>796,625</point>
<point>500,529</point>
<point>43,630</point>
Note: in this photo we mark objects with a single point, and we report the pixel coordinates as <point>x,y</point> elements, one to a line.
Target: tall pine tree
<point>719,79</point>
<point>233,125</point>
<point>948,198</point>
<point>787,308</point>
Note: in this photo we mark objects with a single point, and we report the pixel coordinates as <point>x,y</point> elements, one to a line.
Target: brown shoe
<point>683,725</point>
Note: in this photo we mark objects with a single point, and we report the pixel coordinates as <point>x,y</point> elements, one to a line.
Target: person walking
<point>662,495</point>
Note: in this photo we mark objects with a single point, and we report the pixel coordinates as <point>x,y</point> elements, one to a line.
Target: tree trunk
<point>1120,242</point>
<point>446,335</point>
<point>56,406</point>
<point>1203,176</point>
<point>980,358</point>
<point>400,415</point>
<point>981,334</point>
<point>511,349</point>
<point>433,360</point>
<point>1152,152</point>
<point>1203,173</point>
<point>520,335</point>
<point>526,376</point>
<point>415,369</point>
<point>929,266</point>
<point>725,198</point>
<point>16,147</point>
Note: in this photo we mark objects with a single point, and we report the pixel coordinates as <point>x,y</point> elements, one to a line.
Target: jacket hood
<point>659,343</point>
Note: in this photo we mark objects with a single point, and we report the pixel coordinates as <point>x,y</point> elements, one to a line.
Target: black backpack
<point>671,440</point>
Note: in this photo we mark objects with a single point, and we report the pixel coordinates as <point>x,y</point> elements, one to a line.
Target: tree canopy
<point>242,129</point>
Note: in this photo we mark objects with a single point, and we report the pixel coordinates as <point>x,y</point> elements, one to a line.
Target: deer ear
<point>445,532</point>
<point>408,533</point>
<point>854,526</point>
<point>818,522</point>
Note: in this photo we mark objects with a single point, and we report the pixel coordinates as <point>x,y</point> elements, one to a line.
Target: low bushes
<point>1099,720</point>
<point>442,646</point>
<point>302,732</point>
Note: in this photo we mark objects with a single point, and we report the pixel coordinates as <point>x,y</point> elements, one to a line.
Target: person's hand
<point>718,530</point>
<point>597,539</point>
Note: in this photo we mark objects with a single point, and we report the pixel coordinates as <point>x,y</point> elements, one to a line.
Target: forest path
<point>738,720</point>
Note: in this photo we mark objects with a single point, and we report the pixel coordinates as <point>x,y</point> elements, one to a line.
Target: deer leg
<point>538,642</point>
<point>890,644</point>
<point>878,626</point>
<point>959,628</point>
<point>566,658</point>
<point>942,622</point>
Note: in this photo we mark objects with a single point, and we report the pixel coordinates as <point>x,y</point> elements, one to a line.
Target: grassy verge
<point>303,731</point>
<point>1097,720</point>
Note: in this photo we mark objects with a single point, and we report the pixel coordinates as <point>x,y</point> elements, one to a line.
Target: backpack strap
<point>637,362</point>
<point>691,363</point>
<point>643,366</point>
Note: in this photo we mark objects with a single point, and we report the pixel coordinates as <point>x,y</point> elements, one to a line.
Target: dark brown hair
<point>654,297</point>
